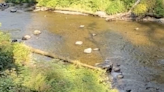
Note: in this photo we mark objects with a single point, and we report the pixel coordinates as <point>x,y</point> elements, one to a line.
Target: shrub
<point>21,54</point>
<point>140,9</point>
<point>114,7</point>
<point>159,8</point>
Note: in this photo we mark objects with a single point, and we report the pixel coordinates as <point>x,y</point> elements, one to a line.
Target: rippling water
<point>139,52</point>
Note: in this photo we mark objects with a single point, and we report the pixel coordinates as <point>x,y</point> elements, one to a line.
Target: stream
<point>139,53</point>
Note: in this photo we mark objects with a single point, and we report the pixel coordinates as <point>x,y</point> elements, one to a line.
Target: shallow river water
<point>140,53</point>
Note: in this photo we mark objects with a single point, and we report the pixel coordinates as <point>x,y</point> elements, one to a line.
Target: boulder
<point>88,50</point>
<point>13,10</point>
<point>37,32</point>
<point>116,69</point>
<point>26,37</point>
<point>120,76</point>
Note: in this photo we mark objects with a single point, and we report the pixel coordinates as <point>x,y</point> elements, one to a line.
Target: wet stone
<point>88,50</point>
<point>120,76</point>
<point>81,26</point>
<point>14,40</point>
<point>13,10</point>
<point>116,69</point>
<point>96,49</point>
<point>26,37</point>
<point>78,42</point>
<point>37,32</point>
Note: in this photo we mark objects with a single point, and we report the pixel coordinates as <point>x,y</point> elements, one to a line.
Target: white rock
<point>37,32</point>
<point>26,37</point>
<point>81,26</point>
<point>88,50</point>
<point>96,49</point>
<point>93,34</point>
<point>78,42</point>
<point>13,10</point>
<point>136,28</point>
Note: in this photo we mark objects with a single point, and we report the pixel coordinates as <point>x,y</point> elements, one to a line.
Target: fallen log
<point>51,55</point>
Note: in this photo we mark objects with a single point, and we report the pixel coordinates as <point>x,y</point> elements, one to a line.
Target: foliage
<point>6,54</point>
<point>140,9</point>
<point>116,6</point>
<point>20,1</point>
<point>159,8</point>
<point>128,3</point>
<point>21,54</point>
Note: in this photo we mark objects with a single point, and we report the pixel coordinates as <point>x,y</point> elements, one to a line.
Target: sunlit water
<point>139,52</point>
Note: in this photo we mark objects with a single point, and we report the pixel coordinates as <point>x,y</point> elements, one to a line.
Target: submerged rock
<point>88,50</point>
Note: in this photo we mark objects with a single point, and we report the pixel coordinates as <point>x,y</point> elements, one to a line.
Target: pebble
<point>37,32</point>
<point>26,37</point>
<point>88,50</point>
<point>78,42</point>
<point>81,26</point>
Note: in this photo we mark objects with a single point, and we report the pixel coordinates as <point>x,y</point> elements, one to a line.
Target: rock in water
<point>81,26</point>
<point>37,32</point>
<point>96,49</point>
<point>13,10</point>
<point>120,76</point>
<point>78,42</point>
<point>136,28</point>
<point>88,50</point>
<point>26,37</point>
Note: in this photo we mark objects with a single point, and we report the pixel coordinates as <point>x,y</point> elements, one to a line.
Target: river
<point>140,53</point>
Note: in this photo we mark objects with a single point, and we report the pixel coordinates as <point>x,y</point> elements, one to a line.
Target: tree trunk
<point>76,62</point>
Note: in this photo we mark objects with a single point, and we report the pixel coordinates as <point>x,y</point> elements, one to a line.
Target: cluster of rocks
<point>3,6</point>
<point>113,69</point>
<point>27,37</point>
<point>87,50</point>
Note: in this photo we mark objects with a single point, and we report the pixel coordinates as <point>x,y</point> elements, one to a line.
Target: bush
<point>114,7</point>
<point>159,8</point>
<point>140,9</point>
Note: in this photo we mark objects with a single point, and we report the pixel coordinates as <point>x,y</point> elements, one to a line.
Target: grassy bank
<point>20,73</point>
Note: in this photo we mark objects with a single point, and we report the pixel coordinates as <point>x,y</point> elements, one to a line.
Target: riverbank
<point>19,71</point>
<point>115,17</point>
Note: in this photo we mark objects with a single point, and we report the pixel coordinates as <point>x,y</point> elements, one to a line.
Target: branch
<point>136,3</point>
